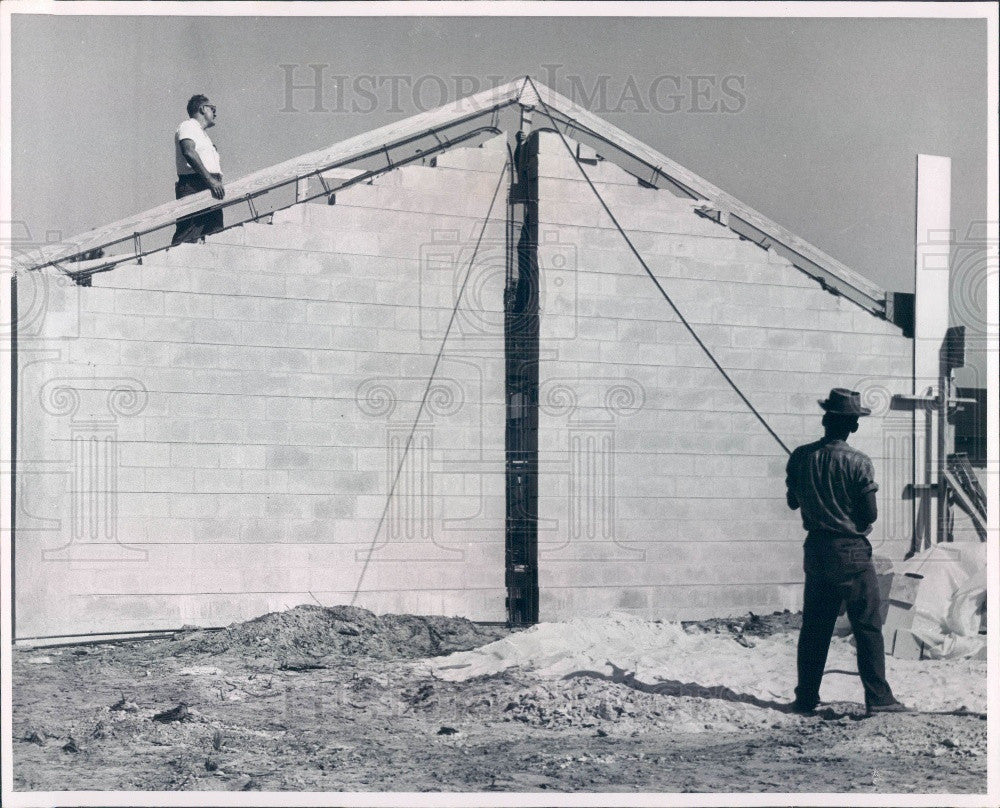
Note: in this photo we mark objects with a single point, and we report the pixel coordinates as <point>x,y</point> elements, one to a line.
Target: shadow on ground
<point>675,687</point>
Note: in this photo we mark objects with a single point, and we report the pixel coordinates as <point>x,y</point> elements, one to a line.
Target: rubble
<point>298,636</point>
<point>178,713</point>
<point>292,702</point>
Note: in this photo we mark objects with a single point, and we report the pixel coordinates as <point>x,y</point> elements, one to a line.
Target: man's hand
<point>191,155</point>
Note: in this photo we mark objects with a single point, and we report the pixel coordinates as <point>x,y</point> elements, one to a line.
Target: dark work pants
<point>837,571</point>
<point>192,228</point>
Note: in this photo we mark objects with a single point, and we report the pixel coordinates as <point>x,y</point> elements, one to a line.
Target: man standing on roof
<point>834,485</point>
<point>198,169</point>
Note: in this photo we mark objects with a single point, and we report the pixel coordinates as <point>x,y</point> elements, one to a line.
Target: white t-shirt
<point>191,130</point>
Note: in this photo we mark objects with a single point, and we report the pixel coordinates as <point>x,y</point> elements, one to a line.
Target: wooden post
<point>931,314</point>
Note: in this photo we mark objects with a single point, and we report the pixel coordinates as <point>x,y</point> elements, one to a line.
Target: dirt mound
<point>317,631</point>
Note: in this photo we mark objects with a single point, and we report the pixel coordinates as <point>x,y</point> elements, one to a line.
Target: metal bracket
<point>323,182</point>
<point>253,210</point>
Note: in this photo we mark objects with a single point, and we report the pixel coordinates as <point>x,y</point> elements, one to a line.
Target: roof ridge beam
<point>455,117</point>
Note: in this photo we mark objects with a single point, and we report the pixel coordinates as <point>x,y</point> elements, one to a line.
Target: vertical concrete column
<point>521,331</point>
<point>931,313</point>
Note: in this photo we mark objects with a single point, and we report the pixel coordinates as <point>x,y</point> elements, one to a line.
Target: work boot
<point>801,708</point>
<point>891,707</point>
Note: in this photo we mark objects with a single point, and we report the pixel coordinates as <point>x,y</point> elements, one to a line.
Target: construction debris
<point>299,636</point>
<point>615,703</point>
<point>937,604</point>
<point>122,705</point>
<point>178,713</point>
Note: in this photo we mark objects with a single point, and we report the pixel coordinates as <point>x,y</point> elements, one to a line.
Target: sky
<point>816,123</point>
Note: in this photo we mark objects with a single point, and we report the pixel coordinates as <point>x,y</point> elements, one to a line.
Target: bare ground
<point>330,700</point>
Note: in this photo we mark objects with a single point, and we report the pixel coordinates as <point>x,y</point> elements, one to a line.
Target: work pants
<point>193,228</point>
<point>840,570</point>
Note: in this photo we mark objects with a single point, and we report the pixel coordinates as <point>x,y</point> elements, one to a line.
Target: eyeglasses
<point>210,106</point>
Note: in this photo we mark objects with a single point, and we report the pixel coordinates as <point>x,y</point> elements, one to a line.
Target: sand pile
<point>664,658</point>
<point>316,631</point>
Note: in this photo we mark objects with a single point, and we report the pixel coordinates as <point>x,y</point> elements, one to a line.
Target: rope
<point>430,381</point>
<point>635,252</point>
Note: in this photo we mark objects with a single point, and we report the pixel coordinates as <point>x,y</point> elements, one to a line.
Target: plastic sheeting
<point>950,600</point>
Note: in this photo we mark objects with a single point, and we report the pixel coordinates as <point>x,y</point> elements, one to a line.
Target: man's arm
<point>866,510</point>
<point>865,507</point>
<point>790,498</point>
<point>191,155</point>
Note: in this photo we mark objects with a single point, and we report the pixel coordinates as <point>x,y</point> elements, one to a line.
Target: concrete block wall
<point>212,434</point>
<point>660,493</point>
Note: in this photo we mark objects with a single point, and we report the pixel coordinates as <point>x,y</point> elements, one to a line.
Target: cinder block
<point>193,455</point>
<point>218,331</point>
<point>172,531</point>
<point>262,333</point>
<point>134,301</point>
<point>241,456</point>
<point>218,481</point>
<point>108,325</point>
<point>168,429</point>
<point>214,430</point>
<point>899,614</point>
<point>328,312</point>
<point>308,287</point>
<point>142,504</point>
<point>105,352</point>
<point>169,480</point>
<point>305,335</point>
<point>195,505</point>
<point>143,454</point>
<point>181,304</point>
<point>234,307</point>
<point>257,481</point>
<point>216,282</point>
<point>904,644</point>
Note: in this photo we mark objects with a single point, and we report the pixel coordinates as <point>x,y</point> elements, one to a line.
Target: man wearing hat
<point>834,486</point>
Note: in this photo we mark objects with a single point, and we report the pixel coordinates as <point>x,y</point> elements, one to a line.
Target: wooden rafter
<point>446,125</point>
